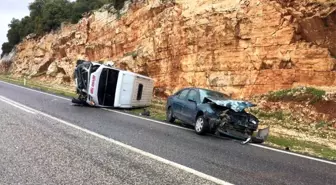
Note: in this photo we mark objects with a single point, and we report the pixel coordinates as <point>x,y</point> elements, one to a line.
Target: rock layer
<point>240,47</point>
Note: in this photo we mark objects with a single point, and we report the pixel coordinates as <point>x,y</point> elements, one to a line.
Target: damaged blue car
<point>212,111</point>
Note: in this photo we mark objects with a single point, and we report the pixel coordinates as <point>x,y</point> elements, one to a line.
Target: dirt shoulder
<point>301,119</point>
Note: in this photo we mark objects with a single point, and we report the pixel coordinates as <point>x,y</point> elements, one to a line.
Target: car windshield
<point>212,95</point>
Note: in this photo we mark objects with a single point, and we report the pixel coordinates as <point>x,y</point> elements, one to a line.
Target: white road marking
<point>294,154</point>
<point>155,121</point>
<point>29,89</point>
<point>136,150</point>
<point>17,105</point>
<point>255,145</point>
<point>163,123</point>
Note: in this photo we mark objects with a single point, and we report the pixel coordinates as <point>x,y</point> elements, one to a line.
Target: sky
<point>11,9</point>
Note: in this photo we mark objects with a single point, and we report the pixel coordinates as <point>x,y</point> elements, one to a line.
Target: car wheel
<point>201,125</point>
<point>170,115</point>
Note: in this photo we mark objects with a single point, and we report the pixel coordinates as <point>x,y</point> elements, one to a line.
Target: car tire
<point>201,125</point>
<point>257,140</point>
<point>170,115</point>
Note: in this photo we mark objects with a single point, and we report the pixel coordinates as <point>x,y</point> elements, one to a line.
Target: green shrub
<point>48,15</point>
<point>134,54</point>
<point>310,94</point>
<point>279,115</point>
<point>321,124</point>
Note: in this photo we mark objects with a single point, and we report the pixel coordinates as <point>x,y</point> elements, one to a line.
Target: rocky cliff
<point>240,47</point>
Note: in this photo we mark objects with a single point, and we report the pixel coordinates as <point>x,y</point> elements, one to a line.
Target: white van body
<point>112,87</point>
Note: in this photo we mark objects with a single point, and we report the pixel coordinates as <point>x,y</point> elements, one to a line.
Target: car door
<point>189,109</point>
<point>179,103</point>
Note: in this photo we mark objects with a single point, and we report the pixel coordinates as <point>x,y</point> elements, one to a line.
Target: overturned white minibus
<point>106,86</point>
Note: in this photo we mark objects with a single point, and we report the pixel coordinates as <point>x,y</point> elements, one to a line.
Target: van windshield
<point>82,74</point>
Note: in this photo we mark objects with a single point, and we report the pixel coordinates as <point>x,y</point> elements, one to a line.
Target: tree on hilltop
<point>48,15</point>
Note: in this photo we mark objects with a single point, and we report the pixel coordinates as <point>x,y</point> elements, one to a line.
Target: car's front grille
<point>239,118</point>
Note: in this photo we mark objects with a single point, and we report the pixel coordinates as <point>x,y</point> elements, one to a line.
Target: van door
<point>126,90</point>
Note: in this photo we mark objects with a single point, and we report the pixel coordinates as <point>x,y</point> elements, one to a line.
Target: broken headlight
<point>254,121</point>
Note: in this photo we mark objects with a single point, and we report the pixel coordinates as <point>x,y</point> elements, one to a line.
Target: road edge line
<point>34,90</point>
<point>19,106</point>
<point>141,152</point>
<point>294,154</point>
<point>147,119</point>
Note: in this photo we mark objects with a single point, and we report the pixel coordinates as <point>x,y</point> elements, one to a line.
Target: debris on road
<point>145,113</point>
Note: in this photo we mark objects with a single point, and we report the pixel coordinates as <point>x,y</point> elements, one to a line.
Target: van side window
<point>140,89</point>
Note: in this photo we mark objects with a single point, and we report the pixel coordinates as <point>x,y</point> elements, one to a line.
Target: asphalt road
<point>39,150</point>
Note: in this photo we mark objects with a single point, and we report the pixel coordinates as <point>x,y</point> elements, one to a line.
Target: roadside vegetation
<point>301,119</point>
<point>304,147</point>
<point>60,90</point>
<point>291,128</point>
<point>305,94</point>
<point>48,15</point>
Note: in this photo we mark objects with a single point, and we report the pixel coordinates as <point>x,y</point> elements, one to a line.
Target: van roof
<point>135,74</point>
<point>127,72</point>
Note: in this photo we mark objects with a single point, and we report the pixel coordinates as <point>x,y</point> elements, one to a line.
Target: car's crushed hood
<point>235,105</point>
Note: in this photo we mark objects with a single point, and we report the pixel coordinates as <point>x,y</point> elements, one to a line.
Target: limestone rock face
<point>239,47</point>
<point>52,69</point>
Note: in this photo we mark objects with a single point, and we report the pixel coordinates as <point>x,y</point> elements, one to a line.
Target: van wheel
<point>201,125</point>
<point>170,115</point>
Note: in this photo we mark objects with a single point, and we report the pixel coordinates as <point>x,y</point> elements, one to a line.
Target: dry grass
<point>57,89</point>
<point>296,123</point>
